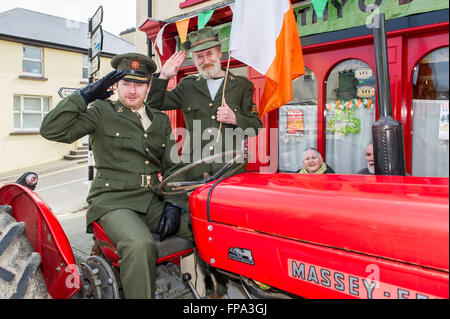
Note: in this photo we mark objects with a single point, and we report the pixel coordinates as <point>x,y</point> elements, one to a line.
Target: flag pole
<point>223,91</point>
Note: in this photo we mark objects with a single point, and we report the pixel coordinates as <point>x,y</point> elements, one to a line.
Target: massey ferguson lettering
<point>360,287</point>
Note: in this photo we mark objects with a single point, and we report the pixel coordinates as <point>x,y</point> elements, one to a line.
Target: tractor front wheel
<point>20,274</point>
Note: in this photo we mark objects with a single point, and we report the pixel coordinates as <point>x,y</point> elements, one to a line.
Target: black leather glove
<point>99,89</point>
<point>169,224</point>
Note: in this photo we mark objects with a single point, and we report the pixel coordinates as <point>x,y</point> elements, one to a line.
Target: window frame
<point>23,112</point>
<point>413,115</point>
<point>41,61</point>
<point>84,66</point>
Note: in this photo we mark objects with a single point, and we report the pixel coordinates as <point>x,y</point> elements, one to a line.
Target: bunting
<point>203,18</point>
<point>319,7</point>
<point>182,27</point>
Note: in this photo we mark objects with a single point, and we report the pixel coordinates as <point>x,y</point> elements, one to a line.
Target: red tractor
<point>282,236</point>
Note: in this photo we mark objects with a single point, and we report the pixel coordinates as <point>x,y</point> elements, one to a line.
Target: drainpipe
<point>149,42</point>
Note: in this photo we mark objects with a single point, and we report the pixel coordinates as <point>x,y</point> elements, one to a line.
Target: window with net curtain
<point>349,115</point>
<point>430,116</point>
<point>298,123</point>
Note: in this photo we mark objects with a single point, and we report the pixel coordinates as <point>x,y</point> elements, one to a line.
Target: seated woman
<point>313,163</point>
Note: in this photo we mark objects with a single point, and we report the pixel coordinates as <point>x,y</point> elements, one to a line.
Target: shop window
<point>29,111</point>
<point>349,115</point>
<point>430,117</point>
<point>298,123</point>
<point>32,61</point>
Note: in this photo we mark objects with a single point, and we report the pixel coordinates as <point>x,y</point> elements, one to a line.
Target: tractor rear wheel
<point>20,275</point>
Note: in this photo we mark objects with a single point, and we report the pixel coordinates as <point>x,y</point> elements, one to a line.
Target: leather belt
<point>140,180</point>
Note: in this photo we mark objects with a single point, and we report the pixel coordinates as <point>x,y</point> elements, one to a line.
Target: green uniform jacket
<point>127,158</point>
<point>192,96</point>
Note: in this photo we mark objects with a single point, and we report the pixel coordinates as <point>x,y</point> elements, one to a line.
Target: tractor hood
<point>396,218</point>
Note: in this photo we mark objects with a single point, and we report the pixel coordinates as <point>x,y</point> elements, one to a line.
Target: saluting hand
<point>172,65</point>
<point>100,89</point>
<point>226,115</point>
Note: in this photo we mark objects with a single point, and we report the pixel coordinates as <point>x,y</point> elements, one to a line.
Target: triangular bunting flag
<point>319,7</point>
<point>182,27</point>
<point>158,41</point>
<point>203,18</point>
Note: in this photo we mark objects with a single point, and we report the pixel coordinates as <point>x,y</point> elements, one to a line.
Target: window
<point>298,123</point>
<point>29,112</point>
<point>32,61</point>
<point>349,115</point>
<point>85,68</point>
<point>430,116</point>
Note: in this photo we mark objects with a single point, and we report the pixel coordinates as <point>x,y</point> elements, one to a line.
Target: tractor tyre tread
<point>20,274</point>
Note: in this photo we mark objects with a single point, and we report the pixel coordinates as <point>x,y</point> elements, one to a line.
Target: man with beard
<point>370,169</point>
<point>131,145</point>
<point>213,127</point>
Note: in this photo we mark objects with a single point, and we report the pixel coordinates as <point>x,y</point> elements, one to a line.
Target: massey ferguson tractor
<point>281,235</point>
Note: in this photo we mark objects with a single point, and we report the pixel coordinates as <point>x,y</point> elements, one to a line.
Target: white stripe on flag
<point>255,28</point>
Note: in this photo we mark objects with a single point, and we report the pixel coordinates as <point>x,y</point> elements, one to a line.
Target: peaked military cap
<point>202,39</point>
<point>139,67</point>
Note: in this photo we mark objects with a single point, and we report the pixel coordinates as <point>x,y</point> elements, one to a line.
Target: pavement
<point>40,169</point>
<point>74,224</point>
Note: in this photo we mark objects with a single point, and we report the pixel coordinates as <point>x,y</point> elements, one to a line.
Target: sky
<point>118,15</point>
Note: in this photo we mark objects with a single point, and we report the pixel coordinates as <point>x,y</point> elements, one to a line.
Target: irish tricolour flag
<point>264,36</point>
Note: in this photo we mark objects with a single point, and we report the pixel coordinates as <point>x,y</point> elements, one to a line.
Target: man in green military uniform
<point>200,99</point>
<point>131,145</point>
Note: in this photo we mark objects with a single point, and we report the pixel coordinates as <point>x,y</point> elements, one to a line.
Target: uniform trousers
<point>131,232</point>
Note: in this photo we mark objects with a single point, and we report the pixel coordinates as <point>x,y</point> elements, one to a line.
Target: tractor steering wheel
<point>227,170</point>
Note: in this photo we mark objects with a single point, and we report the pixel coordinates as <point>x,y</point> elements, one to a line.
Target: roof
<point>24,24</point>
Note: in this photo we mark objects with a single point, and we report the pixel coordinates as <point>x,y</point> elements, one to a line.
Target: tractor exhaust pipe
<point>387,133</point>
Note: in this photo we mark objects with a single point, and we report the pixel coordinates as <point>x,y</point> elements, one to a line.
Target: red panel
<point>110,250</point>
<point>315,271</point>
<point>190,3</point>
<point>399,218</point>
<point>47,238</point>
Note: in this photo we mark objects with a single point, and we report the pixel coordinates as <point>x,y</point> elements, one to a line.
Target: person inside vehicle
<point>200,99</point>
<point>370,160</point>
<point>131,144</point>
<point>313,163</point>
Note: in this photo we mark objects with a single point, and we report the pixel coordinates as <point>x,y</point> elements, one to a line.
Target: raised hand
<point>172,65</point>
<point>100,88</point>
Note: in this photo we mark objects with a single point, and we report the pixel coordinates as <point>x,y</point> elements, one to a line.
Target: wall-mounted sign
<point>96,20</point>
<point>65,92</point>
<point>97,41</point>
<point>94,65</point>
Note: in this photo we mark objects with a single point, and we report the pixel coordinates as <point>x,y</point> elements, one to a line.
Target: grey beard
<point>215,72</point>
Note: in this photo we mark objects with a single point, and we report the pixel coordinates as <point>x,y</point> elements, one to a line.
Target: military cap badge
<point>135,65</point>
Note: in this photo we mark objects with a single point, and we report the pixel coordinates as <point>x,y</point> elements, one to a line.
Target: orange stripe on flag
<point>287,66</point>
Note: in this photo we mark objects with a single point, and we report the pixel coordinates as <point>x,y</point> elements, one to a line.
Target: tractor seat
<point>171,249</point>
